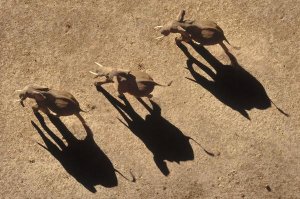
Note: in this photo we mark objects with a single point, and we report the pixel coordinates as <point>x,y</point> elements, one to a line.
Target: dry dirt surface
<point>214,133</point>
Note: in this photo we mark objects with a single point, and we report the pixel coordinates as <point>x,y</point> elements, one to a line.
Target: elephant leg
<point>119,88</point>
<point>35,108</point>
<point>99,83</point>
<point>149,96</point>
<point>45,110</point>
<point>182,38</point>
<point>184,35</point>
<point>120,95</point>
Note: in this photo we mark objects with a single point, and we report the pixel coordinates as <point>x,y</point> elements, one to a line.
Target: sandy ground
<point>55,43</point>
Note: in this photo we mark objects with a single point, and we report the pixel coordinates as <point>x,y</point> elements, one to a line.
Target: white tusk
<point>17,91</point>
<point>157,27</point>
<point>18,100</point>
<point>99,64</point>
<point>94,73</point>
<point>160,37</point>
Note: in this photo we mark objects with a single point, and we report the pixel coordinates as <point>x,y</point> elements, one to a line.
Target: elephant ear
<point>61,103</point>
<point>38,96</point>
<point>39,88</point>
<point>180,16</point>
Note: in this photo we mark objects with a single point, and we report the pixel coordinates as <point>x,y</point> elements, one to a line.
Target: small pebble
<point>268,188</point>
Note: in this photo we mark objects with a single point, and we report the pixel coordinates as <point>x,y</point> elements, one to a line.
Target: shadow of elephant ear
<point>162,165</point>
<point>89,165</point>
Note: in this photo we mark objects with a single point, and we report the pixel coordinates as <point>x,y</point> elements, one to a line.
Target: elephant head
<point>32,91</point>
<point>172,26</point>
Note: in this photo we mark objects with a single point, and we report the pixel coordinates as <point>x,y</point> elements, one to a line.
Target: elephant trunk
<point>21,100</point>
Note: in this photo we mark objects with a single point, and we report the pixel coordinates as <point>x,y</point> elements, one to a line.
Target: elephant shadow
<point>83,159</point>
<point>231,84</point>
<point>163,139</point>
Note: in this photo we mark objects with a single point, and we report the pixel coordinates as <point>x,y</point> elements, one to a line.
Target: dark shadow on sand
<point>83,159</point>
<point>231,84</point>
<point>163,139</point>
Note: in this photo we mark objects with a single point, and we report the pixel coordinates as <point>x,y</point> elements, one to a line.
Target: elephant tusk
<point>96,74</point>
<point>18,91</point>
<point>99,64</point>
<point>160,37</point>
<point>93,73</point>
<point>157,27</point>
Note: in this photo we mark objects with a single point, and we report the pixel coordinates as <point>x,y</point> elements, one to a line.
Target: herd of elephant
<point>134,82</point>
